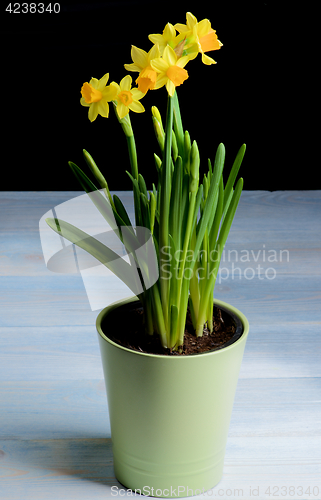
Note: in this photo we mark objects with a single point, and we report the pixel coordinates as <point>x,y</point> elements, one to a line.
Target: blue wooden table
<point>54,428</point>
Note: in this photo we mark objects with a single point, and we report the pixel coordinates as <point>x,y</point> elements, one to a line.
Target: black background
<point>258,93</point>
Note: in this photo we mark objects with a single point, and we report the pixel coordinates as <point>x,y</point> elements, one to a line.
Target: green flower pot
<point>169,415</point>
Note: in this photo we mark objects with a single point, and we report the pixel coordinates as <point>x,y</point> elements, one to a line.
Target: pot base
<point>199,479</point>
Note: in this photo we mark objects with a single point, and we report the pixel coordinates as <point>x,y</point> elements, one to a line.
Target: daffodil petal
<point>153,53</point>
<point>161,81</point>
<point>116,86</point>
<point>84,103</point>
<point>159,65</point>
<point>103,82</point>
<point>122,110</point>
<point>170,87</point>
<point>94,82</point>
<point>103,108</point>
<point>207,60</point>
<point>93,112</point>
<point>137,94</point>
<point>170,56</point>
<point>110,92</point>
<point>183,61</point>
<point>181,28</point>
<point>132,67</point>
<point>156,39</point>
<point>169,31</point>
<point>139,57</point>
<point>203,27</point>
<point>126,83</point>
<point>136,106</point>
<point>190,20</point>
<point>192,55</point>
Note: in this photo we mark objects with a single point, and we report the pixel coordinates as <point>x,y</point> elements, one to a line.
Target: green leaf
<point>218,217</point>
<point>152,204</point>
<point>99,200</point>
<point>212,196</point>
<point>145,211</point>
<point>233,174</point>
<point>82,178</point>
<point>226,226</point>
<point>142,185</point>
<point>101,252</point>
<point>121,210</point>
<point>197,204</point>
<point>137,206</point>
<point>108,212</point>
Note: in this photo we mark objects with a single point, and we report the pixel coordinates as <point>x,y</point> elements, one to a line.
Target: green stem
<point>186,241</point>
<point>164,208</point>
<point>158,315</point>
<point>208,290</point>
<point>194,298</point>
<point>128,131</point>
<point>178,127</point>
<point>148,313</point>
<point>132,155</point>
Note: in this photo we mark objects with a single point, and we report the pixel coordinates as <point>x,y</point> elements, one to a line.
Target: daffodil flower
<point>96,95</point>
<point>128,98</point>
<point>201,34</point>
<point>167,38</point>
<point>171,70</point>
<point>141,63</point>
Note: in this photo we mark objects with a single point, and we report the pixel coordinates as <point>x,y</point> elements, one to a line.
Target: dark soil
<point>125,326</point>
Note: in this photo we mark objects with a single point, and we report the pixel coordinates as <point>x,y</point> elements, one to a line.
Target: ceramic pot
<point>169,415</point>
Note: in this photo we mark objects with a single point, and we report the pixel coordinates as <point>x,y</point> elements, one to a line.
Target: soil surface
<point>125,327</point>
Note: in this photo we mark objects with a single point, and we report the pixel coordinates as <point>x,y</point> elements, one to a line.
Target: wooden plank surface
<point>54,426</point>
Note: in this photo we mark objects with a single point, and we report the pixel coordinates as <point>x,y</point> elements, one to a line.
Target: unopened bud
<point>158,163</point>
<point>194,167</point>
<point>157,114</point>
<point>187,149</point>
<point>160,134</point>
<point>174,146</point>
<point>94,169</point>
<point>98,176</point>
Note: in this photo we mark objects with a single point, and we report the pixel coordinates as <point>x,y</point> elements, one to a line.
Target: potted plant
<point>171,370</point>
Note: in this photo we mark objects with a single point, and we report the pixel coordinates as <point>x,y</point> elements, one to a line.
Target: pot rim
<point>217,302</point>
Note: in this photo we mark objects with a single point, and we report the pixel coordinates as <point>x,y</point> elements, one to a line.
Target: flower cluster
<point>163,65</point>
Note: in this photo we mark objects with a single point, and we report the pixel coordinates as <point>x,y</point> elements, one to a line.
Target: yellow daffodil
<point>96,95</point>
<point>201,35</point>
<point>128,98</point>
<point>141,63</point>
<point>171,70</point>
<point>167,38</point>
